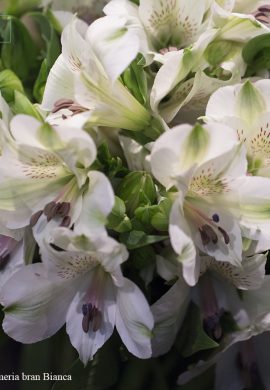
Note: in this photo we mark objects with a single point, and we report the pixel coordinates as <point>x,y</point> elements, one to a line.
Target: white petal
<point>183,244</point>
<point>59,85</point>
<point>134,320</point>
<point>169,312</point>
<point>98,202</point>
<point>115,42</point>
<point>35,304</point>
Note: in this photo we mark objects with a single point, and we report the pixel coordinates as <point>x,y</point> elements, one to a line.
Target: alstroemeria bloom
<point>46,172</point>
<point>202,163</point>
<point>170,310</point>
<point>214,198</point>
<point>90,95</point>
<point>187,78</point>
<point>82,286</point>
<point>246,108</point>
<point>152,26</point>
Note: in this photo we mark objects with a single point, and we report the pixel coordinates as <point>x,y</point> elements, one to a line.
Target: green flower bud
<point>137,189</point>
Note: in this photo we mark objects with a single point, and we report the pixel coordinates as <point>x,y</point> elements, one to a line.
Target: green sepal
<point>256,53</point>
<point>160,220</point>
<point>118,219</point>
<point>135,79</point>
<point>138,239</point>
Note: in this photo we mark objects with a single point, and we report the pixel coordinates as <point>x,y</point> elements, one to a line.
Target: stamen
<point>204,236</point>
<point>50,210</point>
<point>61,103</point>
<point>211,233</point>
<point>91,314</point>
<point>264,8</point>
<point>66,221</point>
<point>97,319</point>
<point>35,217</point>
<point>215,218</point>
<point>225,235</point>
<point>64,209</point>
<point>166,50</point>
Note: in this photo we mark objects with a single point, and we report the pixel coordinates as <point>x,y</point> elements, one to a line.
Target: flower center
<point>209,231</point>
<point>92,308</point>
<point>67,104</point>
<point>60,206</point>
<point>262,14</point>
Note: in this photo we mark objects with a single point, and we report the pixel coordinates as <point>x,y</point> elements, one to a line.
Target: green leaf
<point>195,338</point>
<point>9,83</point>
<point>256,53</point>
<point>137,189</point>
<point>138,239</point>
<point>18,7</point>
<point>40,82</point>
<point>135,80</point>
<point>50,53</point>
<point>22,105</point>
<point>21,54</point>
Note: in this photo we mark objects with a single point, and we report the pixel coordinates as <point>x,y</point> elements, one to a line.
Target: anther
<point>63,209</point>
<point>97,319</point>
<point>211,233</point>
<point>225,235</point>
<point>204,236</point>
<point>49,208</point>
<point>66,221</point>
<point>62,103</point>
<point>264,8</point>
<point>35,217</point>
<point>215,218</point>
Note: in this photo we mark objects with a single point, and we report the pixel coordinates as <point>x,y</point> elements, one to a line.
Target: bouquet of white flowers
<point>135,191</point>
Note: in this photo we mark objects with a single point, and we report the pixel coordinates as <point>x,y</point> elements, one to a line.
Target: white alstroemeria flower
<point>82,286</point>
<point>89,94</point>
<point>46,172</point>
<point>215,196</point>
<point>251,314</point>
<point>202,163</point>
<point>155,25</point>
<point>169,311</point>
<point>247,110</point>
<point>188,77</point>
